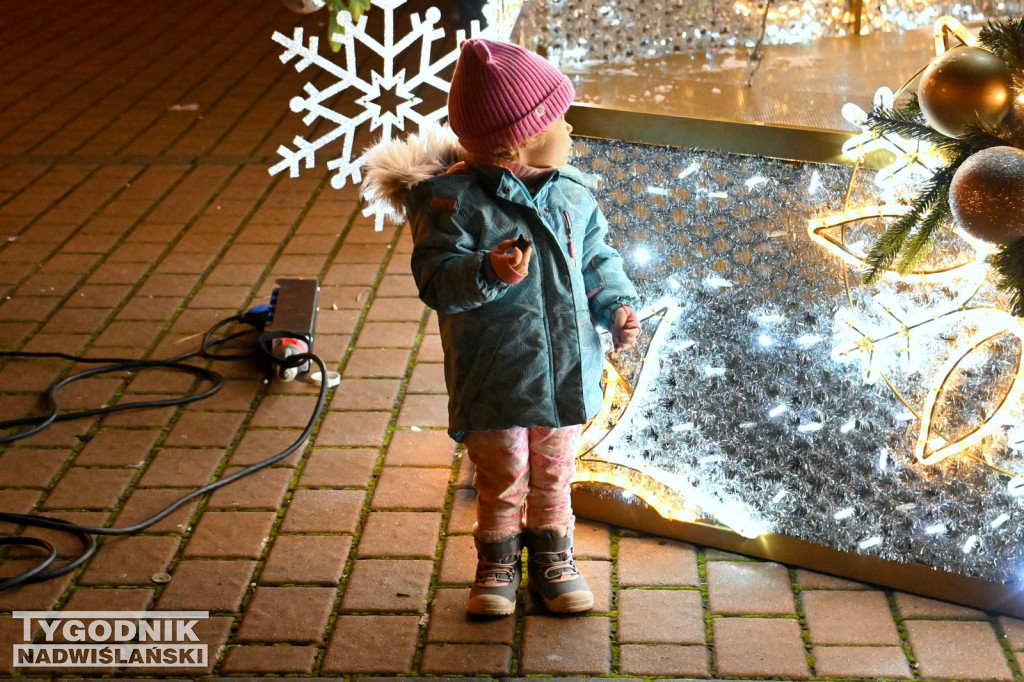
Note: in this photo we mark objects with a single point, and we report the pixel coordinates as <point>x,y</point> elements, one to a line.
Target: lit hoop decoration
<point>817,230</point>
<point>999,323</point>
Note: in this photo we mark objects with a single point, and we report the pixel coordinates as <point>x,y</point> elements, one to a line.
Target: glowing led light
<point>999,520</point>
<point>688,426</point>
<point>808,340</point>
<point>815,183</point>
<point>971,543</point>
<point>935,529</point>
<point>1015,486</point>
<point>779,496</point>
<point>883,459</point>
<point>869,542</point>
<point>750,183</point>
<point>766,340</point>
<point>642,255</point>
<point>777,410</point>
<point>1015,436</point>
<point>714,371</point>
<point>843,514</point>
<point>659,191</point>
<point>810,427</point>
<point>717,282</point>
<point>718,195</point>
<point>848,426</point>
<point>690,170</point>
<point>670,495</point>
<point>657,495</point>
<point>747,425</point>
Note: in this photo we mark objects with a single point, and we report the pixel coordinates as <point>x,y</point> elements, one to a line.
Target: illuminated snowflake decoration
<point>855,342</point>
<point>914,160</point>
<point>901,339</point>
<point>387,101</point>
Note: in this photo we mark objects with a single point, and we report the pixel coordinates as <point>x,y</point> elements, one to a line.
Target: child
<point>523,360</point>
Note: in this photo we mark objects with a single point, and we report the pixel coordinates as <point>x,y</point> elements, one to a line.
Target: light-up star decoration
<point>672,495</point>
<point>387,101</point>
<point>930,319</point>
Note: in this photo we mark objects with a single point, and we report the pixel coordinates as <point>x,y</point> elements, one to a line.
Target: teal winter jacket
<point>525,354</point>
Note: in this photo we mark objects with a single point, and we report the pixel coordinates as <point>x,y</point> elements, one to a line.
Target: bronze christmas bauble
<point>303,6</point>
<point>986,194</point>
<point>963,85</point>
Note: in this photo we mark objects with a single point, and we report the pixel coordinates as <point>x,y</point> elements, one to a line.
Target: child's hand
<point>625,327</point>
<point>510,263</point>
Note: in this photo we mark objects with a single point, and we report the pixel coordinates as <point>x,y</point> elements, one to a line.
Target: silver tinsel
<point>575,31</point>
<point>750,405</point>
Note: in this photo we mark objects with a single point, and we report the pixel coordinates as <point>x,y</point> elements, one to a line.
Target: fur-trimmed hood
<point>392,167</point>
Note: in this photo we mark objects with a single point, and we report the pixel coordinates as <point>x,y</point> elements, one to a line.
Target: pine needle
<point>1008,262</point>
<point>1006,40</point>
<point>894,240</point>
<point>924,239</point>
<point>905,121</point>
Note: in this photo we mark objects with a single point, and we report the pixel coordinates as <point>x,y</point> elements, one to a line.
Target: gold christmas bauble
<point>963,85</point>
<point>986,194</point>
<point>303,6</point>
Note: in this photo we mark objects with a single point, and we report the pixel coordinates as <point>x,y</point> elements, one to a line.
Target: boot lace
<point>500,571</point>
<point>557,566</point>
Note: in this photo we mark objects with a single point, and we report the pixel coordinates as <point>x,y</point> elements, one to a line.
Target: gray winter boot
<point>553,575</point>
<point>498,572</point>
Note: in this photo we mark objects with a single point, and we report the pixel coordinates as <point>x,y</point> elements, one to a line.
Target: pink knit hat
<point>503,94</point>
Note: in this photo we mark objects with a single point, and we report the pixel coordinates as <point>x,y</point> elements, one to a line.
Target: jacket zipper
<point>568,236</point>
<point>551,345</point>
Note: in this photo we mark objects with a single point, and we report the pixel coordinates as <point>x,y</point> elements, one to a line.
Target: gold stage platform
<point>791,110</point>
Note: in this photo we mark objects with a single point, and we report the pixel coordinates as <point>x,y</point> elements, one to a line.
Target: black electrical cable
<point>32,573</point>
<point>86,534</point>
<point>41,422</point>
<point>38,423</point>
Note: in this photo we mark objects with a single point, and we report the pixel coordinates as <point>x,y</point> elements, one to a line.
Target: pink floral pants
<point>523,466</point>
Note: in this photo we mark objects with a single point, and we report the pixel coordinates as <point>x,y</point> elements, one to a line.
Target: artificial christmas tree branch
<point>1008,261</point>
<point>1006,41</point>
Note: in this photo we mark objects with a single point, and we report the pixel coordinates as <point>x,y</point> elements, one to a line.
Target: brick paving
<point>131,221</point>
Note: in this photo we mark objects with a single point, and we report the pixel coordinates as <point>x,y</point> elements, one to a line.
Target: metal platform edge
<point>992,597</point>
<point>790,143</point>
